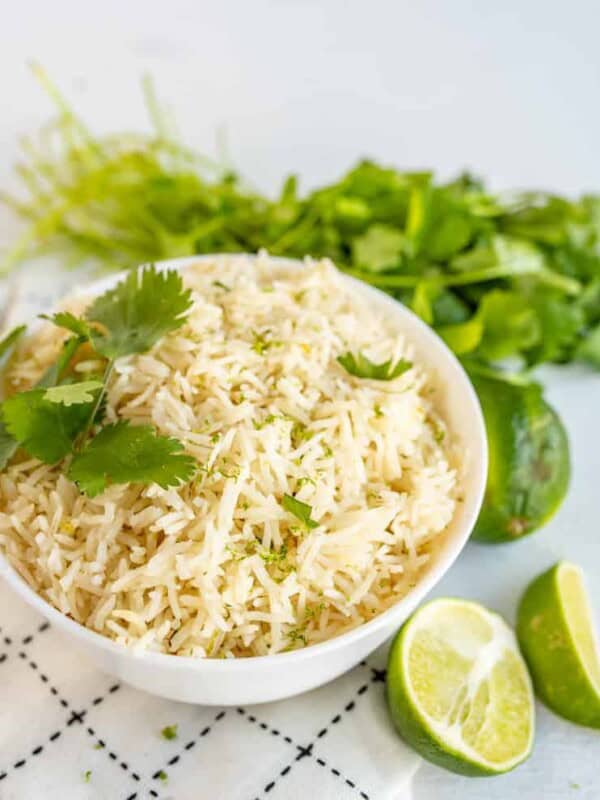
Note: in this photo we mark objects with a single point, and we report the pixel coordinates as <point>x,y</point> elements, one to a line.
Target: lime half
<point>459,691</point>
<point>556,632</point>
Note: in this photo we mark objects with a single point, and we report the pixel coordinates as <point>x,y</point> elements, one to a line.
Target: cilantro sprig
<point>361,367</point>
<point>62,419</point>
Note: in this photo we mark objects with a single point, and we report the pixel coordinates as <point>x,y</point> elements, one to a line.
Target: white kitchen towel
<point>70,732</point>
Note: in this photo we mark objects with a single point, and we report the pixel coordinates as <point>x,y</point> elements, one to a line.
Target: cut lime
<point>556,633</point>
<point>459,691</point>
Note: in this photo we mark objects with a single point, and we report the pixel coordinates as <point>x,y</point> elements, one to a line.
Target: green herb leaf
<point>64,319</point>
<point>124,453</point>
<point>510,325</point>
<point>463,337</point>
<point>300,510</point>
<point>46,430</point>
<point>73,393</point>
<point>8,344</point>
<point>379,248</point>
<point>139,311</point>
<point>360,366</point>
<point>87,776</point>
<point>169,732</point>
<point>588,350</point>
<point>8,445</point>
<point>162,776</point>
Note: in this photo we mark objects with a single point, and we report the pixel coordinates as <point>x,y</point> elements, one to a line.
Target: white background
<point>509,90</point>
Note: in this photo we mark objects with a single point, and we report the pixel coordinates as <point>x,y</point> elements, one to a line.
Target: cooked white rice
<point>252,388</point>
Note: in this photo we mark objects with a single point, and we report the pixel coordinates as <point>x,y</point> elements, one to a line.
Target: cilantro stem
<point>395,281</point>
<point>97,405</point>
<point>291,236</point>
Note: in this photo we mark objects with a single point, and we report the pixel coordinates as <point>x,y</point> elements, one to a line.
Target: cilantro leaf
<point>300,510</point>
<point>64,319</point>
<point>361,367</point>
<point>44,429</point>
<point>463,337</point>
<point>73,393</point>
<point>560,324</point>
<point>379,248</point>
<point>510,325</point>
<point>124,453</point>
<point>138,312</point>
<point>8,445</point>
<point>8,344</point>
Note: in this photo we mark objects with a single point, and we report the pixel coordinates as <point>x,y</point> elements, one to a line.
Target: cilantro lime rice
<point>319,495</point>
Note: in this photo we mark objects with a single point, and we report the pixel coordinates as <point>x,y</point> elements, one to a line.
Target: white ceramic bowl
<point>264,678</point>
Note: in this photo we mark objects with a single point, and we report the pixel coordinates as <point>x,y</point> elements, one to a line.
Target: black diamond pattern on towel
<point>75,732</point>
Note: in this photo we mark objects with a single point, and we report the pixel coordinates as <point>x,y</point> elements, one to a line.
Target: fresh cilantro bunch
<point>514,276</point>
<point>61,419</point>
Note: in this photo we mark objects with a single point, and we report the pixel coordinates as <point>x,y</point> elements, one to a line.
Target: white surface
<point>509,90</point>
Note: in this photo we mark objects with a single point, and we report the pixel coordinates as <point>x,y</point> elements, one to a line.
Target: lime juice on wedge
<point>459,691</point>
<point>556,633</point>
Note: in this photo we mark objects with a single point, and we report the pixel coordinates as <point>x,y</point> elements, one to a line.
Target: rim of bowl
<point>442,560</point>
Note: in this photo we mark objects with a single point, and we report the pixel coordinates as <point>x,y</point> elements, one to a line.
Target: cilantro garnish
<point>61,417</point>
<point>162,776</point>
<point>274,556</point>
<point>8,444</point>
<point>360,366</point>
<point>73,393</point>
<point>300,510</point>
<point>68,321</point>
<point>169,732</point>
<point>9,342</point>
<point>135,315</point>
<point>46,430</point>
<point>87,776</point>
<point>297,635</point>
<point>124,453</point>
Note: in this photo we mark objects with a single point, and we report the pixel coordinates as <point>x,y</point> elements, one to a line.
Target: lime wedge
<point>458,689</point>
<point>556,633</point>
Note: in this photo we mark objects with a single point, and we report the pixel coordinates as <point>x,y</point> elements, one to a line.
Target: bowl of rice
<point>325,505</point>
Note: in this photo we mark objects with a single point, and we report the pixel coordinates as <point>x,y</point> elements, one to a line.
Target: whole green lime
<point>529,463</point>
